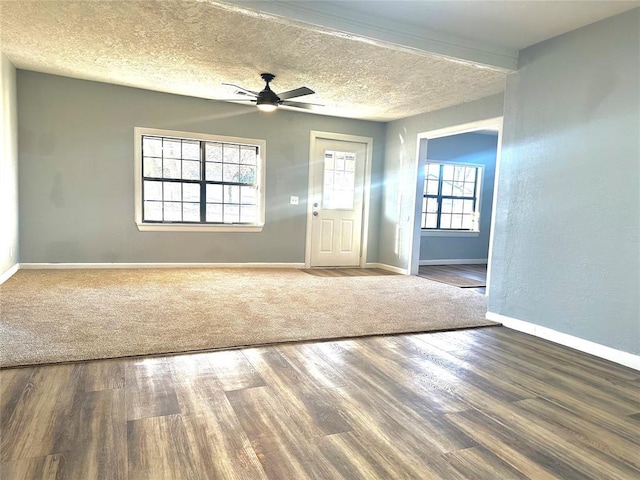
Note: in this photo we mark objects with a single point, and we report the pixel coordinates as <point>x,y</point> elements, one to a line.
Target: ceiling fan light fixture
<point>267,107</point>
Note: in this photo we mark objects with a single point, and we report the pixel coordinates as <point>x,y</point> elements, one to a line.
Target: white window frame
<point>185,227</point>
<point>458,232</point>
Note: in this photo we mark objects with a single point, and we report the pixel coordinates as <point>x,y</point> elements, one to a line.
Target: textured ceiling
<point>192,47</point>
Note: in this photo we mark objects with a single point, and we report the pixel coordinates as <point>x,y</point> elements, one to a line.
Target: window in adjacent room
<point>196,182</point>
<point>451,197</point>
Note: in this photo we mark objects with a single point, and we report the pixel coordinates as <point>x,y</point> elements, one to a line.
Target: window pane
<point>447,172</point>
<point>470,174</point>
<point>447,187</point>
<point>248,213</point>
<point>248,195</point>
<point>230,172</point>
<point>214,212</point>
<point>458,189</point>
<point>172,169</point>
<point>433,170</point>
<point>213,152</point>
<point>423,222</point>
<point>191,212</point>
<point>191,150</point>
<point>432,220</point>
<point>457,206</point>
<point>467,222</point>
<point>468,189</point>
<point>424,205</point>
<point>152,190</point>
<point>248,155</point>
<point>247,174</point>
<point>153,211</point>
<point>231,194</point>
<point>152,147</point>
<point>171,148</point>
<point>432,205</point>
<point>339,163</point>
<point>432,187</point>
<point>456,221</point>
<point>214,172</point>
<point>172,211</point>
<point>350,165</point>
<point>231,153</point>
<point>152,167</point>
<point>231,213</point>
<point>468,206</point>
<point>447,205</point>
<point>190,192</point>
<point>172,191</point>
<point>445,220</point>
<point>214,193</point>
<point>190,170</point>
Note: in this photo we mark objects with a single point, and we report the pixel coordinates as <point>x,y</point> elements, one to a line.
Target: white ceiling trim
<point>333,20</point>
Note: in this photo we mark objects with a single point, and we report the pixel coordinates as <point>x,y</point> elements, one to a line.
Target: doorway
<point>338,200</point>
<point>461,184</point>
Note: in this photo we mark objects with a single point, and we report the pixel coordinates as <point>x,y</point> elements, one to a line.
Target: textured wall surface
<point>464,148</point>
<point>566,251</point>
<point>8,167</point>
<point>76,173</point>
<point>397,228</point>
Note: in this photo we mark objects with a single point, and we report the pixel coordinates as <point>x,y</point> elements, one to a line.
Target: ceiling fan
<point>267,100</point>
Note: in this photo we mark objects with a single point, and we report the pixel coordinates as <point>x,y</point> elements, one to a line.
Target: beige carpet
<point>51,316</point>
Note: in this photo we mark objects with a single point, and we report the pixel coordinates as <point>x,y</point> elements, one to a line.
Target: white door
<point>336,196</point>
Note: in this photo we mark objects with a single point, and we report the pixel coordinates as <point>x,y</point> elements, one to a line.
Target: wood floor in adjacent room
<point>488,403</point>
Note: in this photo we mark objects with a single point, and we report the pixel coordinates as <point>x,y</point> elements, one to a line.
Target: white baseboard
<point>390,268</point>
<point>618,356</point>
<point>50,266</point>
<point>455,261</point>
<point>9,273</point>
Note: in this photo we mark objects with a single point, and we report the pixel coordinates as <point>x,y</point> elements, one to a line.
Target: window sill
<point>449,233</point>
<point>164,227</point>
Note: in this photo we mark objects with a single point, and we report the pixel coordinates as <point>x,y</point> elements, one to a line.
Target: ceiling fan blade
<point>242,89</point>
<point>234,99</point>
<point>308,106</point>
<point>298,92</point>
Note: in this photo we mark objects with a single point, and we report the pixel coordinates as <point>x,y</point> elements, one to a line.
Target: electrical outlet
<point>294,200</point>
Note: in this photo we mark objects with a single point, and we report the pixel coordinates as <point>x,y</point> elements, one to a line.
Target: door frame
<point>315,135</point>
<point>421,153</point>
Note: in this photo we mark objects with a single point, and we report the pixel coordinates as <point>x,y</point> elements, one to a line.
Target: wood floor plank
<point>577,429</point>
<point>316,372</point>
<point>12,384</point>
<point>159,449</point>
<point>39,423</point>
<point>478,462</point>
<point>34,468</point>
<point>101,375</point>
<point>98,445</point>
<point>502,366</point>
<point>275,436</point>
<point>567,355</point>
<point>234,371</point>
<point>149,389</point>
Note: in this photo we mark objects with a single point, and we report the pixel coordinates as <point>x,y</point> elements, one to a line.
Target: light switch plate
<point>294,200</point>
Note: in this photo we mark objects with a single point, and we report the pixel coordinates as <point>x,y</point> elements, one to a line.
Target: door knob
<point>315,214</point>
<point>315,204</point>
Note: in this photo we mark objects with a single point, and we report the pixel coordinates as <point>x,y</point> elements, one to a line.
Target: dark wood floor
<point>472,272</point>
<point>488,403</point>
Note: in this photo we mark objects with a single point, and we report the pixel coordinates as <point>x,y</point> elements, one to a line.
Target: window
<point>451,197</point>
<point>195,182</point>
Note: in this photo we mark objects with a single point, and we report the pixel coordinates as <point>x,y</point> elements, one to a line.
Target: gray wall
<point>8,167</point>
<point>566,251</point>
<point>473,148</point>
<point>397,227</point>
<point>76,173</point>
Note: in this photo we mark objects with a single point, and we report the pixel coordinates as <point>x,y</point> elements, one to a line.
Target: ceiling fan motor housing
<point>267,96</point>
